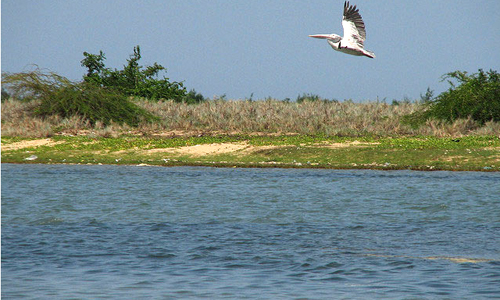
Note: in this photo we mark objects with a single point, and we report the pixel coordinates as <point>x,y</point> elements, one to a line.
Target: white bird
<point>354,34</point>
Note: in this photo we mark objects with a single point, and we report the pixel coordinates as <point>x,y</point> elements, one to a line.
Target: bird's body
<point>354,34</point>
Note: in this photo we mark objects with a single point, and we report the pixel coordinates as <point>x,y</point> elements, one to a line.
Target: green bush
<point>60,96</point>
<point>427,97</point>
<point>476,97</point>
<point>311,98</point>
<point>5,95</point>
<point>193,97</point>
<point>133,80</point>
<point>307,98</point>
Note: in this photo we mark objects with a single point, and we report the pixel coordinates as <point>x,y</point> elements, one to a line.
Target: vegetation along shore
<point>131,117</point>
<point>471,153</point>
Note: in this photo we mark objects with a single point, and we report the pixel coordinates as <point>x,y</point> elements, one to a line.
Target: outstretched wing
<point>354,27</point>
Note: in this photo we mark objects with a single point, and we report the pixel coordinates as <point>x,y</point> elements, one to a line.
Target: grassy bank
<point>474,153</point>
<point>328,118</point>
<point>244,133</point>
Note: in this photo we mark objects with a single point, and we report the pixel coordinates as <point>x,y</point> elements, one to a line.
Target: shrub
<point>59,96</point>
<point>5,95</point>
<point>133,80</point>
<point>477,97</point>
<point>427,97</point>
<point>193,97</point>
<point>311,98</point>
<point>307,98</point>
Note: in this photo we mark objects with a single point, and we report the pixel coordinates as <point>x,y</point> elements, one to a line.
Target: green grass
<point>476,153</point>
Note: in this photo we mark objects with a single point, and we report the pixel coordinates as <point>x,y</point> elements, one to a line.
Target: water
<point>116,232</point>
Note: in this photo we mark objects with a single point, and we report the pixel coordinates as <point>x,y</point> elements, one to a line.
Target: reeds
<point>273,116</point>
<point>248,117</point>
<point>308,117</point>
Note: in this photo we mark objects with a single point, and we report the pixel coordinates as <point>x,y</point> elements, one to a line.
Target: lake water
<point>128,232</point>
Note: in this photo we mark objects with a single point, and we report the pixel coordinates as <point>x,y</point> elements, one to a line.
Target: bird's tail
<point>369,54</point>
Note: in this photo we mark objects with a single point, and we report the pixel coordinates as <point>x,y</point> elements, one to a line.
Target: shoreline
<point>470,153</point>
<point>235,166</point>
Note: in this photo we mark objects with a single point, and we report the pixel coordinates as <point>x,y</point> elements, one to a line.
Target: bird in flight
<point>354,34</point>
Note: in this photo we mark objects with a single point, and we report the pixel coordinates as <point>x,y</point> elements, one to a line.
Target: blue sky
<point>241,47</point>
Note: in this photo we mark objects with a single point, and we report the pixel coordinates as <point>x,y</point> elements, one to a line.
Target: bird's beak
<point>320,36</point>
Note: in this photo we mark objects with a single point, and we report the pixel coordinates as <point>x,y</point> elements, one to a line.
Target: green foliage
<point>193,97</point>
<point>133,80</point>
<point>427,97</point>
<point>311,98</point>
<point>476,97</point>
<point>307,98</point>
<point>405,100</point>
<point>60,96</point>
<point>5,95</point>
<point>95,65</point>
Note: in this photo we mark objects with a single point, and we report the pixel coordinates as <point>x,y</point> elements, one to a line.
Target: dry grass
<point>269,117</point>
<point>272,116</point>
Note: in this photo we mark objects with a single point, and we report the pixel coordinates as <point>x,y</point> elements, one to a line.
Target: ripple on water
<point>224,233</point>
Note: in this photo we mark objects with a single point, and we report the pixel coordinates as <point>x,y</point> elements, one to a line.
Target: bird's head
<point>333,37</point>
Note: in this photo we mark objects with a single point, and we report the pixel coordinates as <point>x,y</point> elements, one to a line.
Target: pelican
<point>354,34</point>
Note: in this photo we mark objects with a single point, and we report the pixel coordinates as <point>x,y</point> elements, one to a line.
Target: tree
<point>133,80</point>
